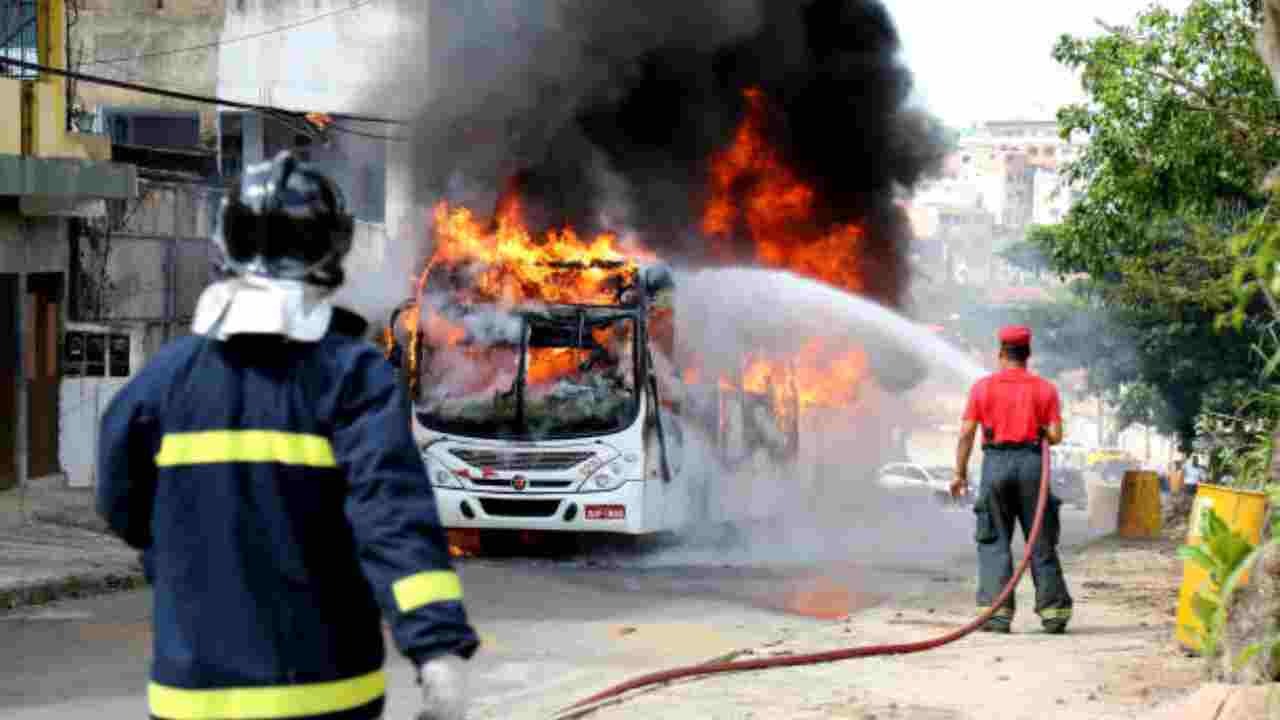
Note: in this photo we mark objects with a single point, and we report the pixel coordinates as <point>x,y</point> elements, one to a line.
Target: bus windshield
<point>562,373</point>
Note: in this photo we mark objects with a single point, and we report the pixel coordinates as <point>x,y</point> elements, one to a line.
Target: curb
<point>92,524</point>
<point>70,587</point>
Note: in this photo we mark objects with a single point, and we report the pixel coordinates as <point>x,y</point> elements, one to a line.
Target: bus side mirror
<point>656,279</point>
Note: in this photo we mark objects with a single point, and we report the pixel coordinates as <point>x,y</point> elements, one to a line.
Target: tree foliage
<point>1183,125</point>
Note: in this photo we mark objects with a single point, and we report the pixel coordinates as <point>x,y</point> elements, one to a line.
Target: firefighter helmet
<point>286,220</point>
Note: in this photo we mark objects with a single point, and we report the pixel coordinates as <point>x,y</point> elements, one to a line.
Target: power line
<point>229,41</point>
<point>192,97</point>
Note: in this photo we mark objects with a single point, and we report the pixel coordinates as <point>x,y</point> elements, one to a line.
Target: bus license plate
<point>606,512</point>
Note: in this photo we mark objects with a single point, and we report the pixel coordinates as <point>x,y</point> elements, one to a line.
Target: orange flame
<point>823,377</point>
<point>753,192</point>
<point>510,266</point>
<point>504,263</point>
<point>550,364</point>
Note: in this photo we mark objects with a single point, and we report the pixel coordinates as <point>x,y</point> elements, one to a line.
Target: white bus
<point>600,447</point>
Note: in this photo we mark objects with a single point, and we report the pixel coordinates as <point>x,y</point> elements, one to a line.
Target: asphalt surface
<point>554,628</point>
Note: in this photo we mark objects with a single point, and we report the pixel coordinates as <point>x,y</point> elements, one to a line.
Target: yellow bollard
<point>1243,511</point>
<point>1140,505</point>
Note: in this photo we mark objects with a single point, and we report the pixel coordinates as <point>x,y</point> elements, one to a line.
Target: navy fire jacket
<point>283,510</point>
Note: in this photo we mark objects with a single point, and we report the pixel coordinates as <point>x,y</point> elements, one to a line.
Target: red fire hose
<point>846,653</point>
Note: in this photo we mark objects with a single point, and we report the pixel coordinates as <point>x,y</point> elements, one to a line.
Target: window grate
<point>507,461</point>
<point>19,37</point>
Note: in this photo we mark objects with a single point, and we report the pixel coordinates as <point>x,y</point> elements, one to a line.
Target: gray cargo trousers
<point>1008,495</point>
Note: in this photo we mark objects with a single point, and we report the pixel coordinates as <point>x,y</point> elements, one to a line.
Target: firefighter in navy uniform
<point>1016,410</point>
<point>265,467</point>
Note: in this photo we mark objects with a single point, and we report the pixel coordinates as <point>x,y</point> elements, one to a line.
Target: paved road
<point>553,629</point>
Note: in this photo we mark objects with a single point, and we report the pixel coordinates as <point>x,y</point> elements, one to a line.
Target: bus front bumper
<point>614,511</point>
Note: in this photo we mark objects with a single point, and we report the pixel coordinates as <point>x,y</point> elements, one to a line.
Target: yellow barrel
<point>1140,505</point>
<point>1243,511</point>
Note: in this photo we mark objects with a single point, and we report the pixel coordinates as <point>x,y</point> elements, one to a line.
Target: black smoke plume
<point>606,113</point>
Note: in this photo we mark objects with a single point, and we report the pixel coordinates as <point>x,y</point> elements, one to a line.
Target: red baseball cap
<point>1015,335</point>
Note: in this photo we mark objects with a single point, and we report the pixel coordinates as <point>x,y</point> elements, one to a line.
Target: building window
<point>20,37</point>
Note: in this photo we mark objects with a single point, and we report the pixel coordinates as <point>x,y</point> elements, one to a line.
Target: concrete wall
<point>304,69</point>
<point>358,164</point>
<point>114,29</point>
<point>322,66</point>
<point>159,254</point>
<point>10,131</point>
<point>157,266</point>
<point>31,245</point>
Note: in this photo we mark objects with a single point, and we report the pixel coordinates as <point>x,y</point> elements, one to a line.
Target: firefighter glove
<point>444,688</point>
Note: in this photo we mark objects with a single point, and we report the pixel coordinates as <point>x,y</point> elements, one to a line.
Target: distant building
<point>1006,182</point>
<point>1017,166</point>
<point>954,232</point>
<point>1038,140</point>
<point>1005,176</point>
<point>169,44</point>
<point>322,68</point>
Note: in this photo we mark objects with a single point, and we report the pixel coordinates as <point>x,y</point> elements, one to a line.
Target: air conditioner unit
<point>150,128</point>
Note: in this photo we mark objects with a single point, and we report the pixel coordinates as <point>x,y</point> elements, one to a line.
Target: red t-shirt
<point>1012,405</point>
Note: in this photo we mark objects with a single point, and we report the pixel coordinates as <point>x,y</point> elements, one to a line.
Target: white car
<point>928,480</point>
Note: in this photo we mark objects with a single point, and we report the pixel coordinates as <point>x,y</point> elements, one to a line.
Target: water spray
<point>596,701</point>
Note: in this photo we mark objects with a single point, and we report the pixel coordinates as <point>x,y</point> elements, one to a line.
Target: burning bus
<point>547,390</point>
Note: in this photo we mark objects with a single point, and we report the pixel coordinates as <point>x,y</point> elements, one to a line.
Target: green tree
<point>1181,117</point>
<point>1183,125</point>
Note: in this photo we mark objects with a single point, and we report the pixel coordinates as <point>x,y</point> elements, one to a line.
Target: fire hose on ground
<point>590,703</point>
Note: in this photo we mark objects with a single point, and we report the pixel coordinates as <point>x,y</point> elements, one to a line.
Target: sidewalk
<point>1119,659</point>
<point>50,550</point>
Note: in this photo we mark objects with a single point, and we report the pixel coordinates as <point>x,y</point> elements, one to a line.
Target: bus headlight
<point>440,477</point>
<point>605,480</point>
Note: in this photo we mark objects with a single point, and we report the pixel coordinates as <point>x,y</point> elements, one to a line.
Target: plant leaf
<point>1229,588</point>
<point>1205,608</point>
<point>1246,655</point>
<point>1197,555</point>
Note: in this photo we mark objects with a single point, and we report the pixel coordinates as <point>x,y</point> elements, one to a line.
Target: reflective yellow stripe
<point>282,701</point>
<point>245,446</point>
<point>425,588</point>
<point>1003,612</point>
<point>1055,614</point>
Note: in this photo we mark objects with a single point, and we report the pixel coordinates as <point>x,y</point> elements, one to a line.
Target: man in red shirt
<point>1015,410</point>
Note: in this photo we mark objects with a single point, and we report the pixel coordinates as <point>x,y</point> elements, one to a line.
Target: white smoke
<point>824,505</point>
